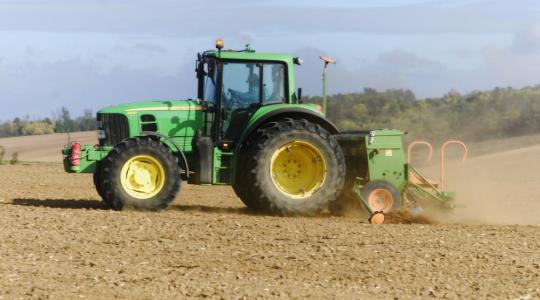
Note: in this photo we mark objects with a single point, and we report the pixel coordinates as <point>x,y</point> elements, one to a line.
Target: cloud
<point>149,48</point>
<point>395,69</point>
<point>399,69</point>
<point>40,89</point>
<point>193,18</point>
<point>505,67</point>
<point>528,40</point>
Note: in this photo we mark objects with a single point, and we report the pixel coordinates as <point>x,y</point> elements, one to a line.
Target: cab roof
<point>248,55</point>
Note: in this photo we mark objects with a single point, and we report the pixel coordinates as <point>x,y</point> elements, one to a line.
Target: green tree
<point>87,121</point>
<point>37,128</point>
<point>64,123</point>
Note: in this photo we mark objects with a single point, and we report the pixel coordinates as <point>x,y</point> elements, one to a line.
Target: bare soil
<point>58,241</point>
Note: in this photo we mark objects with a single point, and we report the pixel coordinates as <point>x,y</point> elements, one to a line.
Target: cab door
<point>245,86</point>
<point>241,95</point>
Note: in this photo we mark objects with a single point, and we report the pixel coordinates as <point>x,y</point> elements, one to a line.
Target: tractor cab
<point>233,85</point>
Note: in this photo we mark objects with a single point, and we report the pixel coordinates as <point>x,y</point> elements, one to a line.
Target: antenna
<point>327,60</point>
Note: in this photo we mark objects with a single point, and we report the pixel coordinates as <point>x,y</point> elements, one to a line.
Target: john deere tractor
<point>247,128</point>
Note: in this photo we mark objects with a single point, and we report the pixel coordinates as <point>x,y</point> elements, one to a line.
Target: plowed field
<point>58,241</point>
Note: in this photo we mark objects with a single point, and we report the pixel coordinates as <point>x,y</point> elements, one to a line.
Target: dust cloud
<point>500,186</point>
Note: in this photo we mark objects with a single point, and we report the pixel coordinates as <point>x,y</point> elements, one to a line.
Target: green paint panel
<point>216,166</point>
<point>386,157</point>
<point>89,158</point>
<point>177,119</point>
<point>222,168</point>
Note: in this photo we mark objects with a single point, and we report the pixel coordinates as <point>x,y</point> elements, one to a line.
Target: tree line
<point>60,122</point>
<point>502,112</point>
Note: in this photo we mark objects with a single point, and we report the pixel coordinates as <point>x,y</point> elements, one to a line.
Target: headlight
<point>101,134</point>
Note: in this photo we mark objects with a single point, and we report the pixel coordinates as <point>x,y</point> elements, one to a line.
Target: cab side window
<point>273,83</point>
<point>210,82</point>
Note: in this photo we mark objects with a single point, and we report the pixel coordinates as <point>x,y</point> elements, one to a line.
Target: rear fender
<point>280,113</point>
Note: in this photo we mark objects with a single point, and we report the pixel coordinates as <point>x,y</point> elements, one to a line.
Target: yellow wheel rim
<point>142,177</point>
<point>298,169</point>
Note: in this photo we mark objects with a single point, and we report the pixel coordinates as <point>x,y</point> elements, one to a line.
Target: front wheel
<point>98,183</point>
<point>141,173</point>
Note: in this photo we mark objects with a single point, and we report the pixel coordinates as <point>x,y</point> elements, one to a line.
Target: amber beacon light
<point>219,44</point>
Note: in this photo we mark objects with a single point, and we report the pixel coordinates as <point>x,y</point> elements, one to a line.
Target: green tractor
<point>247,128</point>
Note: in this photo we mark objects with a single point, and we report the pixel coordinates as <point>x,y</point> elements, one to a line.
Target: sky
<point>89,54</point>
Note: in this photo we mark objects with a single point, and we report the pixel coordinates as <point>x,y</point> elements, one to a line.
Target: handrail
<point>414,143</point>
<point>443,148</point>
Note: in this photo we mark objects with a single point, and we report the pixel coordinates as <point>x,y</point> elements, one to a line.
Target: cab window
<point>210,82</point>
<point>241,84</point>
<point>274,83</point>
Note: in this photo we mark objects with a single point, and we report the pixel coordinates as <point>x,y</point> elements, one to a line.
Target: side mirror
<point>299,95</point>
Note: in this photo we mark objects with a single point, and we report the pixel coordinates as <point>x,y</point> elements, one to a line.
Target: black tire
<point>387,189</point>
<point>98,183</point>
<point>258,189</point>
<point>97,180</point>
<point>240,184</point>
<point>122,153</point>
<point>242,192</point>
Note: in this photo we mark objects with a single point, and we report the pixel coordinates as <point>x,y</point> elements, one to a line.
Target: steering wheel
<point>233,98</point>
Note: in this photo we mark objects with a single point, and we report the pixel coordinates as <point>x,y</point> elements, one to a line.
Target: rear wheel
<point>291,167</point>
<point>242,190</point>
<point>141,173</point>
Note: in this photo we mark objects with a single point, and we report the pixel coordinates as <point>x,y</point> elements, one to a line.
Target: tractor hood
<point>147,106</point>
